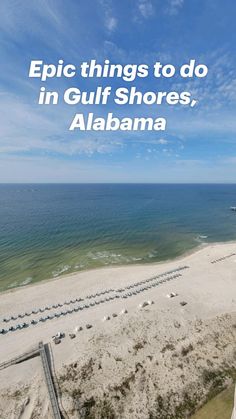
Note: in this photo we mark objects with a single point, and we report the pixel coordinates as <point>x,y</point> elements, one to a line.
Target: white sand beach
<point>162,359</point>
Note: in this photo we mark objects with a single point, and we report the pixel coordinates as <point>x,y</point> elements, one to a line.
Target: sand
<point>161,360</point>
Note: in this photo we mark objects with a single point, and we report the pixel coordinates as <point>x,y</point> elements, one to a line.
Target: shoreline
<point>186,253</point>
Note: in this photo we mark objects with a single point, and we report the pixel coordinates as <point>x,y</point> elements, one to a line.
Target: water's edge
<point>187,253</point>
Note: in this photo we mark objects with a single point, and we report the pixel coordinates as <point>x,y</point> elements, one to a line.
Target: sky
<point>199,144</point>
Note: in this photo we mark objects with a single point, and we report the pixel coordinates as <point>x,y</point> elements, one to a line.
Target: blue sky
<point>199,144</point>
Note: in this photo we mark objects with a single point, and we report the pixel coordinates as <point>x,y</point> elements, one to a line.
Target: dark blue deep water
<point>50,230</point>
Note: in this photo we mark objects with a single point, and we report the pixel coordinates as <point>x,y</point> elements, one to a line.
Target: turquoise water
<point>50,230</point>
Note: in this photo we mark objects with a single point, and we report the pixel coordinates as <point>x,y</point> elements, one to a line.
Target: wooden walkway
<point>40,350</point>
<point>49,382</point>
<point>20,358</point>
<point>234,408</point>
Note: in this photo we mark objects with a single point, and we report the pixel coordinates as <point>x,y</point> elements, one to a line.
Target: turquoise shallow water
<point>50,230</point>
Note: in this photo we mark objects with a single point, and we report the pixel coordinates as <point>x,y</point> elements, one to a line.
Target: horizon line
<point>117,183</point>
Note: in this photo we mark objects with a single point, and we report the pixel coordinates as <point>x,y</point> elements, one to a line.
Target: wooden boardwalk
<point>234,408</point>
<point>20,358</point>
<point>49,382</point>
<point>41,351</point>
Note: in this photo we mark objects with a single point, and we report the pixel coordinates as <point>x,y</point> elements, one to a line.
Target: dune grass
<point>220,407</point>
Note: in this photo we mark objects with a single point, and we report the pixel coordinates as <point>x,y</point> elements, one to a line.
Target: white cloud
<point>229,160</point>
<point>38,169</point>
<point>44,21</point>
<point>162,141</point>
<point>48,169</point>
<point>146,8</point>
<point>34,129</point>
<point>174,6</point>
<point>216,95</point>
<point>15,17</point>
<point>110,21</point>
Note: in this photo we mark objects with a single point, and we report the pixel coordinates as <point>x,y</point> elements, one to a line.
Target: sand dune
<point>152,361</point>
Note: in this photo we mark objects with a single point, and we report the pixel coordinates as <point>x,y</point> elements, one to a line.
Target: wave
<point>61,270</point>
<point>110,258</point>
<point>21,284</point>
<point>26,281</point>
<point>200,238</point>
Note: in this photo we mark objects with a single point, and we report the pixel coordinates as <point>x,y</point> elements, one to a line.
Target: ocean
<point>50,230</point>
